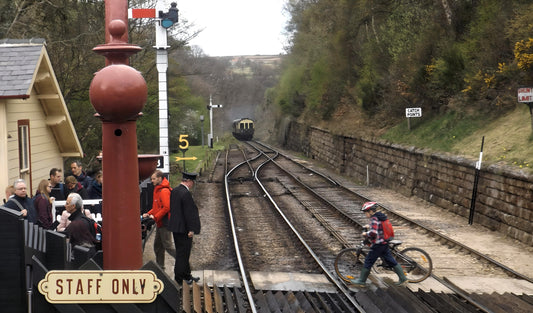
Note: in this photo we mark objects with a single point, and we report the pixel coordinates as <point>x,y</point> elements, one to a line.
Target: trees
<point>72,28</point>
<point>382,56</point>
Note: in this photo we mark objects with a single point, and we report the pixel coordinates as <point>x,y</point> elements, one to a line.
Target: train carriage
<point>243,129</point>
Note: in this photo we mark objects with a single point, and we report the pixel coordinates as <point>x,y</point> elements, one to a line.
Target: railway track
<point>261,230</point>
<point>262,233</point>
<point>325,218</point>
<point>465,260</point>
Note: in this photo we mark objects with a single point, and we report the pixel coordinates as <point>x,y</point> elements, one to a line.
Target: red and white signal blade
<point>141,13</point>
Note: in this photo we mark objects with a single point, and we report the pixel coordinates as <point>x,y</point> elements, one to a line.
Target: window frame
<point>23,129</point>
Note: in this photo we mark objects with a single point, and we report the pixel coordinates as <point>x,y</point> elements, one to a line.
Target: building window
<point>24,145</point>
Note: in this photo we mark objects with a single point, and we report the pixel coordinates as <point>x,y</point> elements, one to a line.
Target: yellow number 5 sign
<point>184,143</point>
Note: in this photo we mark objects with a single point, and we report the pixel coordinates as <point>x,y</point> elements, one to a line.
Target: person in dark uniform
<point>184,223</point>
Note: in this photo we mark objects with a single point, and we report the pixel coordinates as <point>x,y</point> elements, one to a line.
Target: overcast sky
<point>236,27</point>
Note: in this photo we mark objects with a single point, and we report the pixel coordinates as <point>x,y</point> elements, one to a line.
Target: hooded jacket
<point>161,203</point>
<point>375,234</point>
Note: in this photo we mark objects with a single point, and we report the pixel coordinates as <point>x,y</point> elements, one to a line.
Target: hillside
<point>354,66</point>
<point>507,140</point>
<point>507,136</point>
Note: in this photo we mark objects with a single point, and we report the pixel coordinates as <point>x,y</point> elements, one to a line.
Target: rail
<point>324,268</point>
<point>505,268</point>
<point>235,240</point>
<point>443,281</point>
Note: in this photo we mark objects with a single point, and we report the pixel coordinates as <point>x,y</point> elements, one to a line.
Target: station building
<point>36,131</point>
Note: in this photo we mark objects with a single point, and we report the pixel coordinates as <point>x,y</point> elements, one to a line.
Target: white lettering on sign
<point>413,112</point>
<point>100,286</point>
<point>525,94</point>
<point>160,162</point>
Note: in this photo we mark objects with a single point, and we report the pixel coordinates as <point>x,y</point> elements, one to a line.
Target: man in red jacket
<point>160,213</point>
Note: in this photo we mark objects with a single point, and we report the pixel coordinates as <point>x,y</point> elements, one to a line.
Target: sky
<point>236,27</point>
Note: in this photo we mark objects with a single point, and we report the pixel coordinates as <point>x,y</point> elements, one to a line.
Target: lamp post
<point>202,120</point>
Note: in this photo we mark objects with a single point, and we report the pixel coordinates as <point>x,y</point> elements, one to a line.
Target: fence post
<point>476,180</point>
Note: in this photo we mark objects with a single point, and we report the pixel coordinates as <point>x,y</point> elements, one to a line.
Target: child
<point>379,247</point>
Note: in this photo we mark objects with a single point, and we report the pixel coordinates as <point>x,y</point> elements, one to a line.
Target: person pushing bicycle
<point>379,247</point>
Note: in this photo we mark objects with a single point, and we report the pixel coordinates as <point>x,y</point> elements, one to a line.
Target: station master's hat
<point>189,176</point>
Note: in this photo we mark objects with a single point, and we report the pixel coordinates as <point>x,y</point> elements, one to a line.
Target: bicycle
<point>146,229</point>
<point>416,263</point>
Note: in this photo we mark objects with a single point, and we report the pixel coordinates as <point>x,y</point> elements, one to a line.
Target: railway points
<point>210,196</point>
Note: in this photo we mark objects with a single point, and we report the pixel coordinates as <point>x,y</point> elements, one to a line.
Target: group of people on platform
<point>77,187</point>
<point>38,209</point>
<point>173,209</point>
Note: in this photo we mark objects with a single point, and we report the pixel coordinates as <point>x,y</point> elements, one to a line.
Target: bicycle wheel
<point>380,267</point>
<point>348,263</point>
<point>416,264</point>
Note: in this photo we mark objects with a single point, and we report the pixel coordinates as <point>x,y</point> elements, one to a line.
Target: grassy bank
<point>198,159</point>
<point>507,137</point>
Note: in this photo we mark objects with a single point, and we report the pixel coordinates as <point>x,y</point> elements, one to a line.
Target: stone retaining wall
<point>504,197</point>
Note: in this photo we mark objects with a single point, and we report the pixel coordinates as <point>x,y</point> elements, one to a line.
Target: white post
<point>211,106</point>
<point>162,65</point>
<point>367,177</point>
<point>162,22</point>
<point>210,136</point>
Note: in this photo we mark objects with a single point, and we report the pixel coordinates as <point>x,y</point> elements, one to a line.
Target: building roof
<point>18,61</point>
<point>25,68</point>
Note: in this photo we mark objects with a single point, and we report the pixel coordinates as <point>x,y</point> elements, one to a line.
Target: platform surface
<point>291,282</point>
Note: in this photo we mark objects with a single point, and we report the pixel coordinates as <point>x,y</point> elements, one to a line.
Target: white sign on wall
<point>413,112</point>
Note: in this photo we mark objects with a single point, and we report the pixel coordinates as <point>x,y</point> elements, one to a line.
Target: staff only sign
<point>525,94</point>
<point>100,286</point>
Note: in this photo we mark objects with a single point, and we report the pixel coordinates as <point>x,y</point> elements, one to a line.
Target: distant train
<point>243,129</point>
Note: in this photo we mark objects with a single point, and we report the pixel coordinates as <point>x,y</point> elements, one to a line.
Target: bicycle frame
<point>416,263</point>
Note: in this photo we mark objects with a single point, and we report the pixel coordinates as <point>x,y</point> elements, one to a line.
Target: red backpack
<point>388,231</point>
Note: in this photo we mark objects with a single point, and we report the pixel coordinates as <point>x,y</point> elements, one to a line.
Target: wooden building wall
<point>43,145</point>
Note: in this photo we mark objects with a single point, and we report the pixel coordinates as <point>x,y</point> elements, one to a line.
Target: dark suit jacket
<point>184,215</point>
